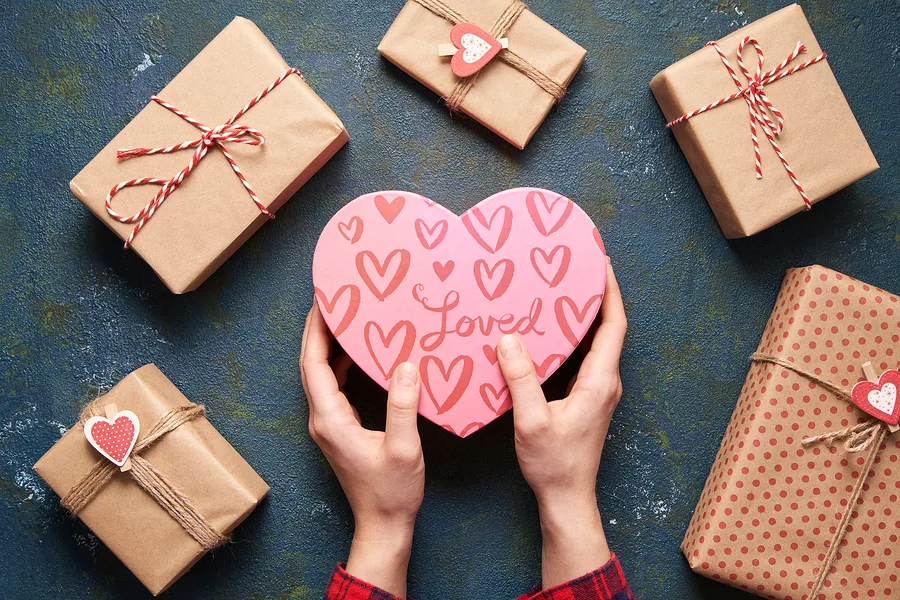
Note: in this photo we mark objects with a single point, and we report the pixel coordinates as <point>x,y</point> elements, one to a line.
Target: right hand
<point>559,444</point>
<point>382,472</point>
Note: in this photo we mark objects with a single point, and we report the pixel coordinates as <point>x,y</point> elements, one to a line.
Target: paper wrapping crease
<point>194,457</point>
<point>210,214</point>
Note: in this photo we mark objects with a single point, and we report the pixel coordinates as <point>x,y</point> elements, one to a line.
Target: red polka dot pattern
<point>115,439</point>
<point>770,506</point>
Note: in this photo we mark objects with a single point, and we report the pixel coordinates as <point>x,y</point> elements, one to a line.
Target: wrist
<point>564,523</point>
<point>573,539</point>
<point>394,525</point>
<point>558,511</point>
<point>379,554</point>
<point>393,535</point>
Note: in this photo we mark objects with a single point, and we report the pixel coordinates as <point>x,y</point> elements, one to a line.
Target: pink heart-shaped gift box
<point>399,278</point>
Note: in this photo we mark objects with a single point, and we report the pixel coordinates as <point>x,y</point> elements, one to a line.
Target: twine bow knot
<point>858,438</point>
<point>762,111</point>
<point>754,93</point>
<point>226,133</point>
<point>219,136</point>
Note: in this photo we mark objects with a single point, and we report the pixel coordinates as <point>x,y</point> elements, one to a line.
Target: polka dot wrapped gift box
<point>799,454</point>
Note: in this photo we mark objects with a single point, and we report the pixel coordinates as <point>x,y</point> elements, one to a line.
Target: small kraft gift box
<point>211,158</point>
<point>803,500</point>
<point>493,60</point>
<point>152,478</point>
<point>800,143</point>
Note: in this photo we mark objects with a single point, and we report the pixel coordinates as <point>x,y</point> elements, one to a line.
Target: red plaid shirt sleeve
<point>344,586</point>
<point>606,583</point>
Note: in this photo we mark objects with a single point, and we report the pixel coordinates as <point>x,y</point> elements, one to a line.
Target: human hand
<point>559,444</point>
<point>382,472</point>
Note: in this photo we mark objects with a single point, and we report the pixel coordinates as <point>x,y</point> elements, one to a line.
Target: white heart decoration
<point>884,399</point>
<point>475,47</point>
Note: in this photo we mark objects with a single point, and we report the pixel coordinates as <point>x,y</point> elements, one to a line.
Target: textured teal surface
<point>79,313</point>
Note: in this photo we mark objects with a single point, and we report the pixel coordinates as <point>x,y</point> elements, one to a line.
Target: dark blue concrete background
<point>79,313</point>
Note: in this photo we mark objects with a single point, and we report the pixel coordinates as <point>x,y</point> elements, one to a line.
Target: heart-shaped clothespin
<point>472,48</point>
<point>879,396</point>
<point>114,435</point>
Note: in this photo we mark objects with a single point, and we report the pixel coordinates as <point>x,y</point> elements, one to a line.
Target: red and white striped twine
<point>758,102</point>
<point>220,135</point>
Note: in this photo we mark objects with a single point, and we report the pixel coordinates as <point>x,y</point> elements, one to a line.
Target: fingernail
<point>608,259</point>
<point>510,347</point>
<point>406,374</point>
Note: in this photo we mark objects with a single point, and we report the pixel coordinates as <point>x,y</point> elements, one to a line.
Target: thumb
<point>401,429</point>
<point>529,405</point>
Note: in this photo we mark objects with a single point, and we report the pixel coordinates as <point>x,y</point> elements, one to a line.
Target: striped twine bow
<point>226,133</point>
<point>758,101</point>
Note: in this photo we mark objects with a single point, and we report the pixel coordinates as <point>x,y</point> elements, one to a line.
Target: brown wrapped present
<point>276,146</point>
<point>185,491</point>
<point>513,93</point>
<point>798,452</point>
<point>821,146</point>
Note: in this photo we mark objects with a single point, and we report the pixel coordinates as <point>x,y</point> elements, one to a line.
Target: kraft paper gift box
<point>821,140</point>
<point>193,457</point>
<point>211,214</point>
<point>772,504</point>
<point>501,97</point>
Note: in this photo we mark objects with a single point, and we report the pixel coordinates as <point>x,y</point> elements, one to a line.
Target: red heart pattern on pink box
<point>400,278</point>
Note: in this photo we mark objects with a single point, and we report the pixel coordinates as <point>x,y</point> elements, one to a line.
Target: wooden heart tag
<point>114,435</point>
<point>880,396</point>
<point>472,48</point>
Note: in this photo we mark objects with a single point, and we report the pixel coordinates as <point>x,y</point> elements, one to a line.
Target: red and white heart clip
<point>114,435</point>
<point>878,397</point>
<point>472,48</point>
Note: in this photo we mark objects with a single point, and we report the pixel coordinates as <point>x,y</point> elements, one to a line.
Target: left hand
<point>382,472</point>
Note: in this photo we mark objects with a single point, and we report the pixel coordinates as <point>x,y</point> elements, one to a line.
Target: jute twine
<point>148,477</point>
<point>864,437</point>
<point>499,29</point>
